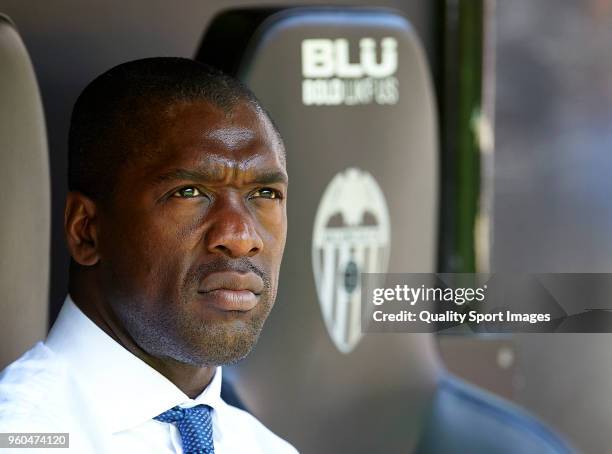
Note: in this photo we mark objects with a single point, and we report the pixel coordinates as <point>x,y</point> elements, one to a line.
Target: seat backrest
<point>351,94</point>
<point>24,201</point>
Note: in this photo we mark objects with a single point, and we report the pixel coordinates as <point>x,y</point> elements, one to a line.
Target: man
<point>176,223</point>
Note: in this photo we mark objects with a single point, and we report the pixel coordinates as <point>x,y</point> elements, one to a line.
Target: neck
<point>190,379</point>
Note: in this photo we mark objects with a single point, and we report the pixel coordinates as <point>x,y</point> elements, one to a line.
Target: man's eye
<point>267,193</point>
<point>187,193</point>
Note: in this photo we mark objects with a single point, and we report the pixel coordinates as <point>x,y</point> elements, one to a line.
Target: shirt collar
<point>121,389</point>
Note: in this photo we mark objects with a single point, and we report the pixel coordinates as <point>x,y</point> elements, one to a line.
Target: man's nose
<point>233,232</point>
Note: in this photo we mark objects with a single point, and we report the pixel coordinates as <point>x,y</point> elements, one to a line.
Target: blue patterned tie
<point>195,426</point>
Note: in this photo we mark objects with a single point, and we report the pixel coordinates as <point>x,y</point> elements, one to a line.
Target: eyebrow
<point>210,175</point>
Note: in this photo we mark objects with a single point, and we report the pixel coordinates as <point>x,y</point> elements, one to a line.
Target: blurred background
<point>552,204</point>
<point>539,202</point>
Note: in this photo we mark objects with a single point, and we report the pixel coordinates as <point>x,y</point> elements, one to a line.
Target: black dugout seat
<point>350,91</point>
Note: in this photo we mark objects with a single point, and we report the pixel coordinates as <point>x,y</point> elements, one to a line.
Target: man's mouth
<point>231,290</point>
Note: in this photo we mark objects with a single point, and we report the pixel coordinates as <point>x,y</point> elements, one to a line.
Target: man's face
<point>191,243</point>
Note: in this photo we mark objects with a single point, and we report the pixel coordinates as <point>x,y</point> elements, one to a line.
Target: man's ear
<point>81,228</point>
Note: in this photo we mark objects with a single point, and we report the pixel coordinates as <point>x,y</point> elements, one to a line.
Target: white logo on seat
<point>332,76</point>
<point>352,234</point>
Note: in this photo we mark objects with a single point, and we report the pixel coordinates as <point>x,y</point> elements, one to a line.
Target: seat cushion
<point>464,418</point>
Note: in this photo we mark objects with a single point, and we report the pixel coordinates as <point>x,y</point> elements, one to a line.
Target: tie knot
<point>176,414</point>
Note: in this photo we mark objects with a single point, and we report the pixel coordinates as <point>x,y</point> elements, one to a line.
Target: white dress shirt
<point>83,382</point>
